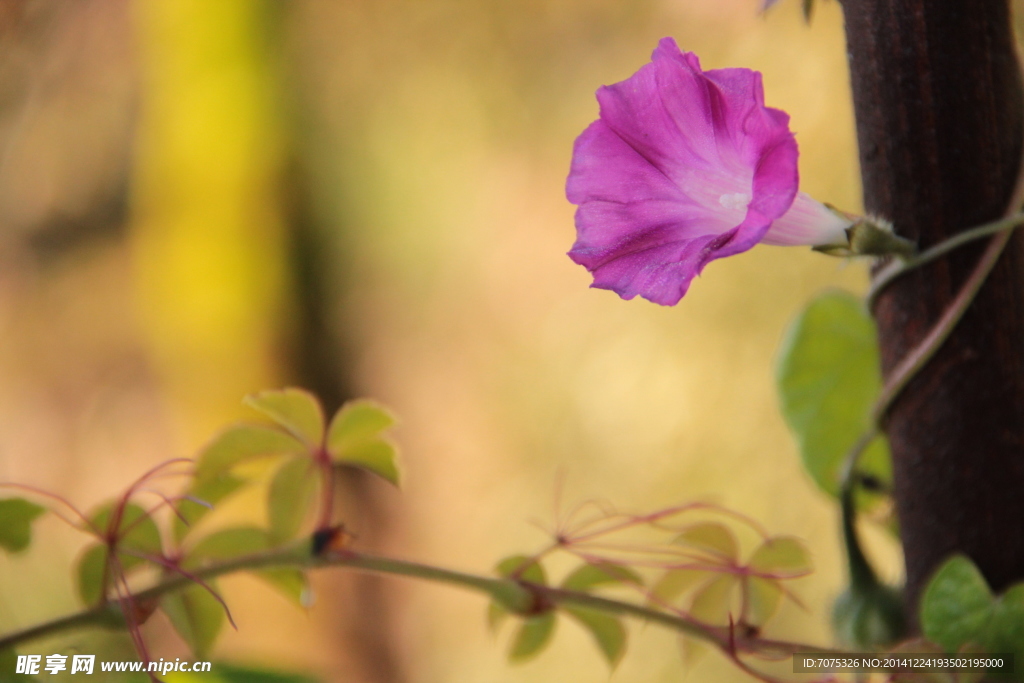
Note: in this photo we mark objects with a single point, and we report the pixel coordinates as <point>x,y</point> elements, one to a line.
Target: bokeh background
<point>365,197</point>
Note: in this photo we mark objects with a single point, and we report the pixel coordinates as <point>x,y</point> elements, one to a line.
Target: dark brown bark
<point>938,101</point>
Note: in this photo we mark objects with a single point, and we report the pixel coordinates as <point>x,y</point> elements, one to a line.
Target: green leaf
<point>763,599</point>
<point>955,604</point>
<point>291,583</point>
<point>135,530</point>
<point>1004,630</point>
<point>204,494</point>
<point>92,569</point>
<point>588,575</point>
<point>297,410</point>
<point>9,664</point>
<point>243,442</point>
<point>534,634</point>
<point>828,378</point>
<point>522,567</point>
<point>136,535</point>
<point>496,615</point>
<point>357,422</point>
<point>291,493</point>
<point>712,538</point>
<point>229,543</point>
<point>196,615</point>
<point>512,596</point>
<point>356,439</point>
<point>607,630</point>
<point>712,604</point>
<point>379,457</point>
<point>16,516</point>
<point>782,557</point>
<point>676,582</point>
<point>692,650</point>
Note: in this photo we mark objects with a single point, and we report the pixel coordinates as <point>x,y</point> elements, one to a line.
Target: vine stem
<point>520,594</point>
<point>908,368</point>
<point>1001,231</point>
<point>898,268</point>
<point>923,352</point>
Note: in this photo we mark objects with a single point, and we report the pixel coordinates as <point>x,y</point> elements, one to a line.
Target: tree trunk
<point>938,102</point>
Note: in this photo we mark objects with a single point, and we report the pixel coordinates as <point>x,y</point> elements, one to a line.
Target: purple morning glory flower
<point>685,166</point>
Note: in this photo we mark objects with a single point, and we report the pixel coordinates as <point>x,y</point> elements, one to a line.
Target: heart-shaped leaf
<point>16,517</point>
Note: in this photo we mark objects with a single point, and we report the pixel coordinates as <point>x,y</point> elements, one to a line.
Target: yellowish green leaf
<point>16,516</point>
<point>291,583</point>
<point>229,543</point>
<point>782,557</point>
<point>676,582</point>
<point>522,567</point>
<point>135,529</point>
<point>196,615</point>
<point>379,457</point>
<point>291,494</point>
<point>713,602</point>
<point>297,410</point>
<point>92,573</point>
<point>244,442</point>
<point>589,575</point>
<point>692,650</point>
<point>356,438</point>
<point>496,615</point>
<point>357,422</point>
<point>712,538</point>
<point>607,630</point>
<point>201,498</point>
<point>763,599</point>
<point>533,635</point>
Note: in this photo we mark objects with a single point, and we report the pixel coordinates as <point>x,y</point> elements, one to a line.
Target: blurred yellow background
<point>203,199</point>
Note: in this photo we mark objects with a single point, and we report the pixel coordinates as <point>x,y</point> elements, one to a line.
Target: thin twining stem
<point>908,368</point>
<point>509,592</point>
<point>923,352</point>
<point>898,380</point>
<point>898,268</point>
